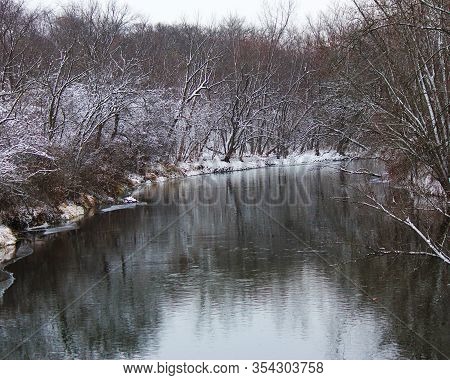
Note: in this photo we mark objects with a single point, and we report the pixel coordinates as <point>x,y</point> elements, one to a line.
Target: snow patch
<point>119,207</point>
<point>211,165</point>
<point>7,237</point>
<point>71,211</point>
<point>429,185</point>
<point>216,165</point>
<point>7,253</point>
<point>136,179</point>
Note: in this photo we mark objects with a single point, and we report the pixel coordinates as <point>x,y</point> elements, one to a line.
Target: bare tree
<point>198,81</point>
<point>404,46</point>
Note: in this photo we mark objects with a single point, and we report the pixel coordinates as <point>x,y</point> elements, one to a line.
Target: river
<point>269,263</point>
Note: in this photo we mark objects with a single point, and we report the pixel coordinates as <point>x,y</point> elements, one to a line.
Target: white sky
<point>168,11</point>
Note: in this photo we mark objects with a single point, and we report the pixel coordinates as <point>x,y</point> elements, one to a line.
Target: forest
<point>92,93</point>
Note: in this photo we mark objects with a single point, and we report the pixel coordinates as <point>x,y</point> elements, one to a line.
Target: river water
<point>269,264</point>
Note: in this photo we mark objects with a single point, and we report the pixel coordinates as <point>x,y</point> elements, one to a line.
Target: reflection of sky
<point>225,281</point>
<point>305,317</point>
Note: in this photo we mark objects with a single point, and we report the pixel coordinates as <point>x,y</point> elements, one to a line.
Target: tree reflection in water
<point>225,281</point>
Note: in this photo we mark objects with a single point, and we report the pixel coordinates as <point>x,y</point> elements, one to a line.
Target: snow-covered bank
<point>7,254</point>
<point>71,211</point>
<point>75,210</point>
<point>216,165</point>
<point>7,244</point>
<point>7,237</point>
<point>209,165</point>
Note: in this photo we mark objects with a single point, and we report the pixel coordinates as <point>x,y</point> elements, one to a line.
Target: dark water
<point>268,263</point>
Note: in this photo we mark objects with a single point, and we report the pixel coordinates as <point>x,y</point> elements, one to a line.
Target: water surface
<point>269,264</point>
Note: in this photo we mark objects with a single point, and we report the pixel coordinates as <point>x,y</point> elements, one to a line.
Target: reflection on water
<point>222,279</point>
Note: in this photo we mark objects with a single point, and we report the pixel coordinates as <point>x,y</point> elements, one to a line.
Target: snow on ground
<point>71,211</point>
<point>136,179</point>
<point>7,244</point>
<point>7,254</point>
<point>41,227</point>
<point>7,238</point>
<point>208,165</point>
<point>127,200</point>
<point>428,185</point>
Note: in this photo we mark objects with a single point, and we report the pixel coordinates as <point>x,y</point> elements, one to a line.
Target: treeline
<point>90,93</point>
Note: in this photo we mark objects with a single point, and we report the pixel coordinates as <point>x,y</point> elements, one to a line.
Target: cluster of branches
<point>89,80</point>
<point>90,93</point>
<point>393,58</point>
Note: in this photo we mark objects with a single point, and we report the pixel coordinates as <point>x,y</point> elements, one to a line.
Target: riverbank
<point>75,209</point>
<point>214,165</point>
<point>7,253</point>
<point>7,244</point>
<point>164,269</point>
